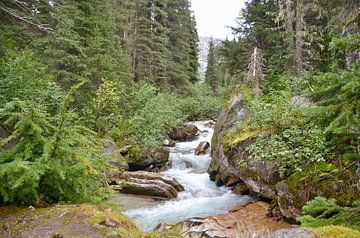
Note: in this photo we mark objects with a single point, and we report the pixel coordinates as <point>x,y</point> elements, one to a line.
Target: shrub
<point>54,159</point>
<point>292,148</point>
<point>201,104</point>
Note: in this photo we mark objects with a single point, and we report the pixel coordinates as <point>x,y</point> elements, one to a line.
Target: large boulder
<point>220,170</point>
<point>147,184</point>
<point>149,160</point>
<point>232,165</point>
<point>185,133</point>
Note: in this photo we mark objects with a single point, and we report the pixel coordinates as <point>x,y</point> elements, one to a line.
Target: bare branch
<point>30,22</point>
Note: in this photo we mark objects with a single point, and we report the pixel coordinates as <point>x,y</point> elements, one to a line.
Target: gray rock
<point>150,160</point>
<point>202,148</point>
<point>118,160</point>
<point>185,133</point>
<point>291,233</point>
<point>148,184</point>
<point>220,170</point>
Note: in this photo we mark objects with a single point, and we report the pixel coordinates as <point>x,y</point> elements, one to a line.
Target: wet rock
<point>261,177</point>
<point>150,160</point>
<point>246,221</point>
<point>291,233</point>
<point>169,142</point>
<point>286,202</point>
<point>185,133</point>
<point>149,184</point>
<point>241,189</point>
<point>202,148</point>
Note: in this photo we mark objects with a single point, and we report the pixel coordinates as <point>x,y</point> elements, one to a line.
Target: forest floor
<point>62,221</point>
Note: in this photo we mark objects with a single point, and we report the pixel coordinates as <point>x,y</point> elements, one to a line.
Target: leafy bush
<point>201,104</point>
<point>292,148</point>
<point>275,112</point>
<point>288,139</point>
<point>137,115</point>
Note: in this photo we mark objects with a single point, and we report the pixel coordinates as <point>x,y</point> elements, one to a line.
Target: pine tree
<point>211,77</point>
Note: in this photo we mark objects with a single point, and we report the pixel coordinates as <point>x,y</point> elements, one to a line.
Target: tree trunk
<point>299,34</point>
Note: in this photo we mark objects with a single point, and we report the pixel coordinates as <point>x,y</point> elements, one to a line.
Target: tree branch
<point>30,22</point>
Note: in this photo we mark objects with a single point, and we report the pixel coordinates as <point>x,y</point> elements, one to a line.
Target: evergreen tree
<point>211,76</point>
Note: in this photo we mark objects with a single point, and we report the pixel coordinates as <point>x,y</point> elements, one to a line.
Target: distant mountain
<point>203,47</point>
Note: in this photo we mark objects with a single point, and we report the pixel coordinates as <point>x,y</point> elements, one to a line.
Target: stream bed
<point>201,198</point>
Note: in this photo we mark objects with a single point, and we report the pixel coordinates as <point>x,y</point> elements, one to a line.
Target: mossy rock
<point>335,232</point>
<point>321,180</point>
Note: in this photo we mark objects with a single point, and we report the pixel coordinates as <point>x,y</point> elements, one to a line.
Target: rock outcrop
<point>202,148</point>
<point>184,133</point>
<point>231,165</point>
<point>220,170</point>
<point>147,184</point>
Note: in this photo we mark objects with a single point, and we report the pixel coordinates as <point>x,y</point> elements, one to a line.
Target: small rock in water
<point>202,147</point>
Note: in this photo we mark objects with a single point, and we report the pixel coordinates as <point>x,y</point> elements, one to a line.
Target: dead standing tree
<point>256,71</point>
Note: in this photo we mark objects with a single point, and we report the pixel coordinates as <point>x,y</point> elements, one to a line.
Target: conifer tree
<point>211,77</point>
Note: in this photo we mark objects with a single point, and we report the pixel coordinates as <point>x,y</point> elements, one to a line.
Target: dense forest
<point>75,73</point>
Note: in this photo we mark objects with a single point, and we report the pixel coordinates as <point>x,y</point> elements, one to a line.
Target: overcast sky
<point>213,16</point>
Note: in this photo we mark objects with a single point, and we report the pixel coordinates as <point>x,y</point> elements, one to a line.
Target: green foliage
<point>23,77</point>
<point>325,212</point>
<point>275,111</point>
<point>201,104</point>
<point>335,232</point>
<point>293,148</point>
<point>53,159</point>
<point>289,139</point>
<point>146,115</point>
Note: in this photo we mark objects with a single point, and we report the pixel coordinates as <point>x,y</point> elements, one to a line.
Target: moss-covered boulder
<point>220,170</point>
<point>232,165</point>
<point>322,180</point>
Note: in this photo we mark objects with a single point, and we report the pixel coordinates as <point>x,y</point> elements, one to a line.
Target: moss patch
<point>234,137</point>
<point>335,232</point>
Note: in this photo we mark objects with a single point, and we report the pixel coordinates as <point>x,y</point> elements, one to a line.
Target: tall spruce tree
<point>211,75</point>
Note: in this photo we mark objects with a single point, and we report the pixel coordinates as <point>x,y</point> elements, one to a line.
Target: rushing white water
<point>201,197</point>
